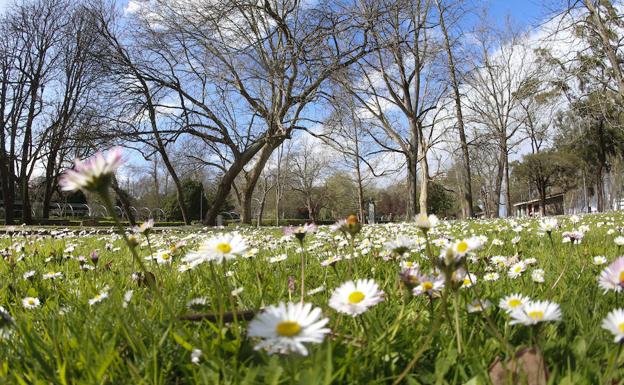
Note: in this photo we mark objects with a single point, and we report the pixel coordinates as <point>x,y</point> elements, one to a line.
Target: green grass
<point>68,341</point>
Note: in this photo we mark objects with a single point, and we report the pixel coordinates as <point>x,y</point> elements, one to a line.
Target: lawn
<point>78,308</point>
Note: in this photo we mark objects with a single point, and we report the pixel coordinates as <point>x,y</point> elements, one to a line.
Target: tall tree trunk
<point>424,184</point>
<point>508,204</point>
<point>498,187</point>
<point>223,190</point>
<point>412,189</point>
<point>252,180</point>
<point>600,189</point>
<point>358,175</point>
<point>466,175</point>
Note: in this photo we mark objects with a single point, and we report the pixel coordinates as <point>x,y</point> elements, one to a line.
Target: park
<point>311,192</point>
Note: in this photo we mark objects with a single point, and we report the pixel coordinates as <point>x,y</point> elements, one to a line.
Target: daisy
<point>278,258</point>
<point>98,298</point>
<point>29,274</point>
<point>491,276</point>
<point>300,231</point>
<point>478,306</point>
<point>127,298</point>
<point>537,275</point>
<point>31,302</point>
<point>533,313</point>
<point>217,249</point>
<point>355,298</point>
<point>547,225</point>
<point>516,270</point>
<point>619,240</point>
<point>286,327</point>
<point>400,245</point>
<point>614,322</point>
<point>425,222</point>
<point>52,275</point>
<point>94,174</point>
<point>163,257</point>
<point>145,227</point>
<point>428,285</point>
<point>196,356</point>
<point>600,260</point>
<point>513,302</point>
<point>612,277</point>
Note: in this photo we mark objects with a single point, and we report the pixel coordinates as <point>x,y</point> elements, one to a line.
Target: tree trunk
<point>412,187</point>
<point>424,184</point>
<point>466,174</point>
<point>599,189</point>
<point>223,190</point>
<point>252,181</point>
<point>496,199</point>
<point>507,186</point>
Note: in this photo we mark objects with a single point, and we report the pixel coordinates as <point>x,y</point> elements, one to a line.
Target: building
<point>554,206</point>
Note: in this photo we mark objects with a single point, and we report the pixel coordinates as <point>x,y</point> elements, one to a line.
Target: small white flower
<point>491,276</point>
<point>98,298</point>
<point>533,313</point>
<point>31,302</point>
<point>478,306</point>
<point>286,327</point>
<point>29,274</point>
<point>537,275</point>
<point>196,356</point>
<point>614,322</point>
<point>127,298</point>
<point>513,302</point>
<point>600,260</point>
<point>516,270</point>
<point>355,298</point>
<point>217,249</point>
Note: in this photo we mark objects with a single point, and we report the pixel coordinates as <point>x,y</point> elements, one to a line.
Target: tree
<point>545,170</point>
<point>194,198</point>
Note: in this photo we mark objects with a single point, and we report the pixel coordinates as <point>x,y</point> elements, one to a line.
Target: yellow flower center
<point>288,328</point>
<point>467,281</point>
<point>356,297</point>
<point>537,315</point>
<point>462,247</point>
<point>427,286</point>
<point>31,301</point>
<point>224,247</point>
<point>515,302</point>
<point>622,277</point>
<point>165,256</point>
<point>621,327</point>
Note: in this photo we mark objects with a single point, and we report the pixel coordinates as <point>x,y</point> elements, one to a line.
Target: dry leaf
<point>526,368</point>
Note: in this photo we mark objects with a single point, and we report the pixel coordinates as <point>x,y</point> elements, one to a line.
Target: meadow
<point>78,308</point>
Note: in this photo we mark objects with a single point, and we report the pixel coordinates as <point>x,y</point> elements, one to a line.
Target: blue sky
<point>523,12</point>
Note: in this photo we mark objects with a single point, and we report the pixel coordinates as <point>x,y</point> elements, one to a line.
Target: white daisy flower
<point>599,260</point>
<point>196,356</point>
<point>491,276</point>
<point>127,298</point>
<point>478,306</point>
<point>614,322</point>
<point>516,270</point>
<point>94,174</point>
<point>217,249</point>
<point>355,298</point>
<point>537,275</point>
<point>619,240</point>
<point>31,302</point>
<point>534,312</point>
<point>286,327</point>
<point>612,277</point>
<point>98,298</point>
<point>513,302</point>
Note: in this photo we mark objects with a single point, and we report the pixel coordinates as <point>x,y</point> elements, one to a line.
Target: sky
<point>524,12</point>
